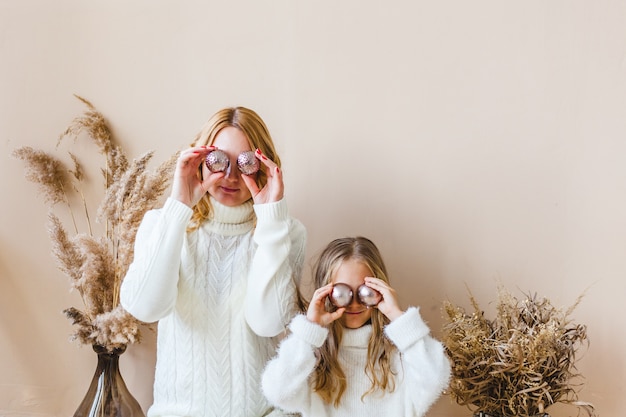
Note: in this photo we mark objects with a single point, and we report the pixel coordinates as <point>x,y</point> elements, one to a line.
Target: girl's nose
<point>354,302</point>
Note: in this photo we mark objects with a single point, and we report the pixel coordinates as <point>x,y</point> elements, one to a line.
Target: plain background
<point>478,143</point>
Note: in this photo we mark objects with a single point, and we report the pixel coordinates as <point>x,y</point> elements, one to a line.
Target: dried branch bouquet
<point>517,364</point>
<point>96,264</point>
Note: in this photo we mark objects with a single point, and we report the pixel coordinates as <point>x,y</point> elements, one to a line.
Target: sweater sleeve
<point>275,269</point>
<point>427,369</point>
<point>285,381</point>
<point>149,289</point>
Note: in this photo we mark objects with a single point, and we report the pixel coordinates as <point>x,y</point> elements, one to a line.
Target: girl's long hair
<point>328,379</point>
<point>258,135</point>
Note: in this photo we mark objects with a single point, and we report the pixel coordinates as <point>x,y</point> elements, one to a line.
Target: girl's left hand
<point>388,305</point>
<point>274,188</point>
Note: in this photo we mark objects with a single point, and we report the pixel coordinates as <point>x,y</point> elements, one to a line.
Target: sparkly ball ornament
<point>217,161</point>
<point>247,163</point>
<point>368,296</point>
<point>341,295</point>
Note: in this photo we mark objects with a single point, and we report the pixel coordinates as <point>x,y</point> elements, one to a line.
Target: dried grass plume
<point>96,265</point>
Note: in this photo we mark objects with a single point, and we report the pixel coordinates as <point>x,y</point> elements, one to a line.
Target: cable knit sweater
<point>421,370</point>
<point>221,294</point>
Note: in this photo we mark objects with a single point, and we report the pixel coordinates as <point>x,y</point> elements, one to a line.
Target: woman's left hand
<point>274,188</point>
<point>388,305</point>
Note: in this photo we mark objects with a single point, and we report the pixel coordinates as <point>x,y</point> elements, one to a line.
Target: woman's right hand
<point>187,187</point>
<point>317,307</point>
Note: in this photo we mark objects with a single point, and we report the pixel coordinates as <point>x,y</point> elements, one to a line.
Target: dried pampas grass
<point>96,265</point>
<point>517,364</point>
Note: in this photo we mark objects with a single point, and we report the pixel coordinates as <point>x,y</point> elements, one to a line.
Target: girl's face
<point>227,187</point>
<point>352,272</point>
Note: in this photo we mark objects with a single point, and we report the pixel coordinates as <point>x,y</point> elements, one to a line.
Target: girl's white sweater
<point>420,365</point>
<point>221,295</point>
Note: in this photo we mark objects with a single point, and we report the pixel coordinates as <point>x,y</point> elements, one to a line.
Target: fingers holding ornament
<point>187,185</point>
<point>273,190</point>
<point>388,304</point>
<point>318,311</point>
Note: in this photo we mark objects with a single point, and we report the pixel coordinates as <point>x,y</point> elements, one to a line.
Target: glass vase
<point>107,395</point>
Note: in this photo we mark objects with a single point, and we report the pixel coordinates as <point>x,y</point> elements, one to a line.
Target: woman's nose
<point>230,173</point>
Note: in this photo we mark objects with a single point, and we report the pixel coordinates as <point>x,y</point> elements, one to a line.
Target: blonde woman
<point>218,268</point>
<point>363,356</point>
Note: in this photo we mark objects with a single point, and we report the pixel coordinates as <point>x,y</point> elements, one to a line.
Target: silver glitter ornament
<point>368,296</point>
<point>247,163</point>
<point>341,295</point>
<point>217,161</point>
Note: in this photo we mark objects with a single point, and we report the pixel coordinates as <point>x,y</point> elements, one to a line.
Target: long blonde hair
<point>258,135</point>
<point>329,380</point>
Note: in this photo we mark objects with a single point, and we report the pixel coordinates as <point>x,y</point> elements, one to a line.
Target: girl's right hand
<point>187,187</point>
<point>317,307</point>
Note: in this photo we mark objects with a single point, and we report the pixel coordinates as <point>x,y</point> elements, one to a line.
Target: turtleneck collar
<point>356,337</point>
<point>231,221</point>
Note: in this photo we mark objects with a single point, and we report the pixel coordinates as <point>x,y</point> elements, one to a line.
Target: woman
<point>218,267</point>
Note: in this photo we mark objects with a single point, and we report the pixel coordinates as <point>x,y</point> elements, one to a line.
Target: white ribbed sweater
<point>422,371</point>
<point>221,294</point>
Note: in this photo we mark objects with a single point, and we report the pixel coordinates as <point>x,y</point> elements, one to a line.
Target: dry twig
<point>517,364</point>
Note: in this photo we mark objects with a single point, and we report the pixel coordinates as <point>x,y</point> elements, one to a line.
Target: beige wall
<point>477,142</point>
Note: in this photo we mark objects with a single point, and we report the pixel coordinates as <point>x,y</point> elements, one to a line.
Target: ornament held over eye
<point>247,163</point>
<point>217,161</point>
<point>368,296</point>
<point>341,295</point>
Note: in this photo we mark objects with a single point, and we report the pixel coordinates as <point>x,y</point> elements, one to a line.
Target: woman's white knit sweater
<point>421,370</point>
<point>221,294</point>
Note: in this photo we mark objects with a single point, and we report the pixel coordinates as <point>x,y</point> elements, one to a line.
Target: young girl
<point>356,360</point>
<point>218,267</point>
